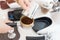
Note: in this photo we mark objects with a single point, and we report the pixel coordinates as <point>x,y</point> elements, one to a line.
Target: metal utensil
<point>31,11</point>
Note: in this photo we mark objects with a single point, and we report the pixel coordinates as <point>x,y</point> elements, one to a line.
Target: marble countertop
<point>54,28</point>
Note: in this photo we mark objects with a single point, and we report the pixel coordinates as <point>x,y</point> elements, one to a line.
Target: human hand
<point>4,28</point>
<point>24,3</point>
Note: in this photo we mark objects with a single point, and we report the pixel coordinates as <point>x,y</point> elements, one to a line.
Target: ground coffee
<point>26,20</point>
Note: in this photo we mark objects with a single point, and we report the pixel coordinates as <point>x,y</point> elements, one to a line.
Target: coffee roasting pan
<point>41,23</point>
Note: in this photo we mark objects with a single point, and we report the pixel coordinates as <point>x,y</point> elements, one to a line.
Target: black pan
<point>41,23</point>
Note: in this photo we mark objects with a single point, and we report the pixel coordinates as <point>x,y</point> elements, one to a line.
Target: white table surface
<point>54,28</point>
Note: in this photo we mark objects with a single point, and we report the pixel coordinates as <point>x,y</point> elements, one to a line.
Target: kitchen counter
<point>54,29</point>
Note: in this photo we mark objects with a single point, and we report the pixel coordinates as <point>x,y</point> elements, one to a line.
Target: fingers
<point>5,28</point>
<point>27,2</point>
<point>9,28</point>
<point>23,3</point>
<point>8,21</point>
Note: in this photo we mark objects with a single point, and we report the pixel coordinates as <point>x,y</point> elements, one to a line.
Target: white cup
<point>26,25</point>
<point>48,4</point>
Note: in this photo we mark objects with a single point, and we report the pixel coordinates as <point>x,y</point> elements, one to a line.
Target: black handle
<point>12,24</point>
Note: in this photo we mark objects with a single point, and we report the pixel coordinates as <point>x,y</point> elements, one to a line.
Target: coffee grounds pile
<point>26,20</point>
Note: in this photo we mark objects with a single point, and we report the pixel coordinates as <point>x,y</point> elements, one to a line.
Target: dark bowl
<point>41,23</point>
